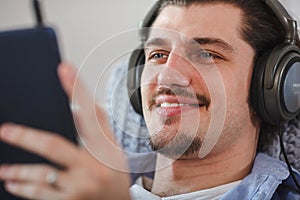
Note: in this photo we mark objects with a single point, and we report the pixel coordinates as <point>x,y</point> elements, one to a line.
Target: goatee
<point>181,145</point>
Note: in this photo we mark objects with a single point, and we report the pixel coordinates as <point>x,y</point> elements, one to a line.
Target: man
<point>199,60</point>
<point>225,42</point>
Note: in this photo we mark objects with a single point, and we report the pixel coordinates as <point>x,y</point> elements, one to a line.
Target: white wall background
<point>83,24</point>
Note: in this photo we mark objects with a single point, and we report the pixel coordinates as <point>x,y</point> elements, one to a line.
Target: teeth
<point>172,105</point>
<point>166,105</point>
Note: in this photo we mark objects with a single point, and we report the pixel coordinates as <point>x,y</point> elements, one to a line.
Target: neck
<point>180,176</point>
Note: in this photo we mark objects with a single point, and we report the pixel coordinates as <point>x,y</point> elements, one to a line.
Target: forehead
<point>209,20</point>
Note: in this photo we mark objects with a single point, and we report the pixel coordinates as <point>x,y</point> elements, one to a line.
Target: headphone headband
<point>289,24</point>
<point>148,20</point>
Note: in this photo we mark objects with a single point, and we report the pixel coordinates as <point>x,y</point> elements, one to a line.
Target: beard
<point>182,145</point>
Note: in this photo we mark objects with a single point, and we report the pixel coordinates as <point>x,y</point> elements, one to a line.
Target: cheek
<point>145,93</point>
<point>237,86</point>
<point>240,87</point>
<point>242,75</point>
<point>236,97</point>
<point>148,82</point>
<point>237,79</point>
<point>150,73</point>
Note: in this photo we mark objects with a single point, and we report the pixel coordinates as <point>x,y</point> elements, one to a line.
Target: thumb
<point>91,121</point>
<point>67,76</point>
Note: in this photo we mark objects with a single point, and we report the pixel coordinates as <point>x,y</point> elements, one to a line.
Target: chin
<point>180,147</point>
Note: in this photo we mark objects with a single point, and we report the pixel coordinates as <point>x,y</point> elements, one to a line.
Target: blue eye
<point>158,56</point>
<point>206,55</point>
<point>203,56</point>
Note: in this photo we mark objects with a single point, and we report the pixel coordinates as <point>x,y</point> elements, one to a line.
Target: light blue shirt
<point>265,181</point>
<point>268,179</point>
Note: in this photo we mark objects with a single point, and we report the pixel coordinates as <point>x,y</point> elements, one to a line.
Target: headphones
<point>137,61</point>
<point>275,86</point>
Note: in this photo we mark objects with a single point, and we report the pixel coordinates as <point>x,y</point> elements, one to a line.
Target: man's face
<point>196,80</point>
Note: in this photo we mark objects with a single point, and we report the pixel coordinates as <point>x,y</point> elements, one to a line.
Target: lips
<point>170,105</point>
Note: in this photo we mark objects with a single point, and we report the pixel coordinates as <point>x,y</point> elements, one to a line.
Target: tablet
<point>31,93</point>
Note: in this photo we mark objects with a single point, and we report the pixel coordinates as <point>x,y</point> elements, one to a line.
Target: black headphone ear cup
<point>134,73</point>
<point>274,88</point>
<point>256,91</point>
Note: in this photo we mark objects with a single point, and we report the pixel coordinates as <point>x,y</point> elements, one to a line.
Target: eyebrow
<point>156,42</point>
<point>215,41</point>
<point>201,41</point>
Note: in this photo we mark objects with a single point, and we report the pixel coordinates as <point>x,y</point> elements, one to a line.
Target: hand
<point>101,175</point>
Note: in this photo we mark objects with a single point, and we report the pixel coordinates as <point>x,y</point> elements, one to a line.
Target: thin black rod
<point>38,13</point>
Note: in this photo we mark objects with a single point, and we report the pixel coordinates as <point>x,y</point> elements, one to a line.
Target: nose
<point>174,72</point>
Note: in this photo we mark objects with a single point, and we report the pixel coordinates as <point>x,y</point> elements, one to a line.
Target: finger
<point>67,75</point>
<point>43,143</point>
<point>38,173</point>
<point>28,172</point>
<point>32,191</point>
<point>91,121</point>
<point>82,103</point>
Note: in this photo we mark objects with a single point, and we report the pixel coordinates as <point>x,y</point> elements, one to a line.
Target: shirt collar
<point>266,175</point>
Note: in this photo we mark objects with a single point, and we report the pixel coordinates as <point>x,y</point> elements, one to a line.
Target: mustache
<point>180,92</point>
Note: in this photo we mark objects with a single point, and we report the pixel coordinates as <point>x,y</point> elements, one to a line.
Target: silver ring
<point>51,178</point>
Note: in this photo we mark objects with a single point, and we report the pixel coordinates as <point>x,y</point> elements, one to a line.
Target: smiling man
<point>195,90</point>
<point>197,94</point>
<point>176,96</point>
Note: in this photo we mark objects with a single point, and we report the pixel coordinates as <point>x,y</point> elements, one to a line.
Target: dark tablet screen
<point>31,93</point>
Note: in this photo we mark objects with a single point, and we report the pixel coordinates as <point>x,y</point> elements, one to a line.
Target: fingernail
<point>3,171</point>
<point>10,186</point>
<point>7,130</point>
<point>67,70</point>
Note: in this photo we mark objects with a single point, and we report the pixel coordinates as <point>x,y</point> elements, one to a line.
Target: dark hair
<point>260,26</point>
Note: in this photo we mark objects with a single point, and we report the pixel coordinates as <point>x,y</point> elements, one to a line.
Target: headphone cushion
<point>135,69</point>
